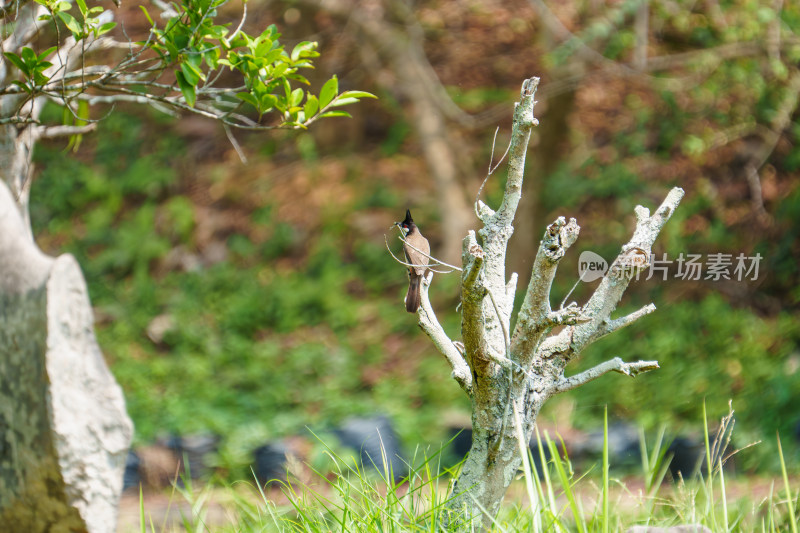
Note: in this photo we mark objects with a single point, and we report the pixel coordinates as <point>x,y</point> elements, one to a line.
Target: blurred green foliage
<point>248,352</point>
<point>301,329</point>
<point>254,353</point>
<point>706,350</point>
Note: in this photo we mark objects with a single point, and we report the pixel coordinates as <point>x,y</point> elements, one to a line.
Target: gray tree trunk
<point>64,431</point>
<point>507,374</point>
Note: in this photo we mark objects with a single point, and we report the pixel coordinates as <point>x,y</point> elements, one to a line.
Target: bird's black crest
<point>408,221</point>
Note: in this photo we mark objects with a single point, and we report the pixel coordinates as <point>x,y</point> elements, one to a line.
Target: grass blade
<point>605,470</point>
<point>524,450</point>
<point>142,523</point>
<point>789,499</point>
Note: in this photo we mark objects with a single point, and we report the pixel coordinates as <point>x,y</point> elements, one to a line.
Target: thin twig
<point>52,132</point>
<point>409,265</point>
<point>241,23</point>
<point>430,257</point>
<point>490,170</point>
<point>571,291</point>
<point>615,365</point>
<point>235,143</point>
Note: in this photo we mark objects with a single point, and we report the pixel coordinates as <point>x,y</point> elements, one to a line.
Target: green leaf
<point>83,112</point>
<point>273,56</point>
<point>298,78</point>
<point>211,57</point>
<point>81,7</point>
<point>105,28</point>
<point>218,31</point>
<point>269,101</point>
<point>29,56</point>
<point>357,94</point>
<point>18,62</point>
<point>344,101</point>
<point>181,39</point>
<point>249,98</point>
<point>75,142</point>
<point>172,50</point>
<point>46,53</point>
<point>296,97</point>
<point>311,107</point>
<point>287,89</point>
<point>239,41</point>
<point>262,49</point>
<point>304,49</point>
<point>271,33</point>
<point>279,69</point>
<point>38,77</point>
<point>191,73</point>
<point>22,85</point>
<point>71,24</point>
<point>195,59</point>
<point>329,90</point>
<point>336,114</point>
<point>186,88</point>
<point>147,16</point>
<point>66,116</point>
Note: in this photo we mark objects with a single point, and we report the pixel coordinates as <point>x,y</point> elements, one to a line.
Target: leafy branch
<point>196,49</point>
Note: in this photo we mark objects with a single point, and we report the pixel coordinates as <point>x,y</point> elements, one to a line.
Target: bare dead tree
<point>509,375</point>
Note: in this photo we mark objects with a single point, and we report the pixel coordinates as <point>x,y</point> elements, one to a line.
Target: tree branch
<point>608,294</point>
<point>520,136</point>
<point>554,352</point>
<point>430,325</point>
<point>610,326</point>
<point>51,132</point>
<point>473,292</point>
<point>615,365</point>
<point>533,321</point>
<point>511,287</point>
<point>485,331</point>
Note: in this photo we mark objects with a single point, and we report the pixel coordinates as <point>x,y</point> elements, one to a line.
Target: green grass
<point>354,499</point>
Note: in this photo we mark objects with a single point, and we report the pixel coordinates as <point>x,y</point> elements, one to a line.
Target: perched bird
<point>417,250</point>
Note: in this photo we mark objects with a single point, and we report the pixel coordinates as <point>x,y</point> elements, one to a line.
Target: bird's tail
<point>412,297</point>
